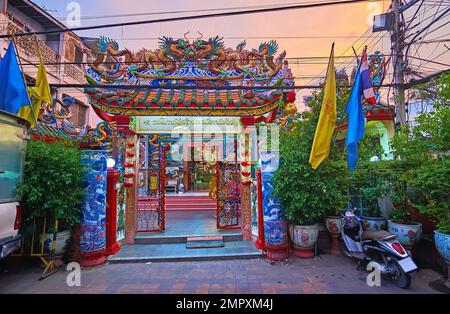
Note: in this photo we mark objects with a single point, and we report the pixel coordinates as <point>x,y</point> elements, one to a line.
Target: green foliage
<point>368,177</point>
<point>400,216</point>
<point>432,185</point>
<point>432,132</point>
<point>423,152</point>
<point>370,147</point>
<point>53,183</point>
<point>308,195</point>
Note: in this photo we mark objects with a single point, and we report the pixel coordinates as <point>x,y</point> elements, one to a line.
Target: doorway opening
<point>200,196</point>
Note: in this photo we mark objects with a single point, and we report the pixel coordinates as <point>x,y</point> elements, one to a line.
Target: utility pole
<point>397,45</point>
<point>4,7</point>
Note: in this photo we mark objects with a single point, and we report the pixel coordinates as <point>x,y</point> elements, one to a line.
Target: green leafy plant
<point>422,151</point>
<point>53,183</point>
<point>400,215</point>
<point>369,178</point>
<point>308,195</point>
<point>432,185</point>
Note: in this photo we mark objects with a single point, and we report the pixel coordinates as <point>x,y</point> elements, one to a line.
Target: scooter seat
<point>378,235</point>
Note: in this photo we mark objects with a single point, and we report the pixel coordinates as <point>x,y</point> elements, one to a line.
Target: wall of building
<point>55,49</point>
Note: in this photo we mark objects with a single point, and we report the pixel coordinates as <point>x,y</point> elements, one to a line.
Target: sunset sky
<point>302,33</point>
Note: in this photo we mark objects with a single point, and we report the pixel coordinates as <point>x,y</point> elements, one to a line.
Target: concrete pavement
<point>324,274</point>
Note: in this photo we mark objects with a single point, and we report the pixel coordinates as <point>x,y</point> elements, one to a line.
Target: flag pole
<point>38,49</point>
<point>24,80</point>
<point>329,60</point>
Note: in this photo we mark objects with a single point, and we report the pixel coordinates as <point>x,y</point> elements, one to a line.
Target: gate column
<point>245,158</point>
<point>132,198</point>
<point>123,124</point>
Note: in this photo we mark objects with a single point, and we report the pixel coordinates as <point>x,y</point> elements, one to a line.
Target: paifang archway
<point>190,79</point>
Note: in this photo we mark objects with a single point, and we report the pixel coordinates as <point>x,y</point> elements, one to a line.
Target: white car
<point>13,138</point>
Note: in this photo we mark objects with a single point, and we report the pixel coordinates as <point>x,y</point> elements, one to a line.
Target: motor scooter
<point>380,249</point>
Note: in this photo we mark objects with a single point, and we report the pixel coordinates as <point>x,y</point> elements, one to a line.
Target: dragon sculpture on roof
<point>185,59</point>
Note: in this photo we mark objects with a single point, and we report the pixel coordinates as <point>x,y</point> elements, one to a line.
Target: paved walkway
<point>326,274</point>
<point>191,223</point>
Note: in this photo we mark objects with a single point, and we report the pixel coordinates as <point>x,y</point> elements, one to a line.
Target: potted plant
<point>372,218</point>
<point>305,194</point>
<point>52,190</point>
<point>408,232</point>
<point>371,181</point>
<point>432,198</point>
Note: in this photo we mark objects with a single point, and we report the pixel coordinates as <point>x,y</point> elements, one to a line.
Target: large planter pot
<point>334,226</point>
<point>442,242</point>
<point>373,223</point>
<point>304,238</point>
<point>61,241</point>
<point>408,235</point>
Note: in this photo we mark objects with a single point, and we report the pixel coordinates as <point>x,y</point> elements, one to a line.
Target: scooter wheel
<point>400,278</point>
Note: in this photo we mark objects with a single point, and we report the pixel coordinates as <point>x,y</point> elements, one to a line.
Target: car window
<point>12,150</point>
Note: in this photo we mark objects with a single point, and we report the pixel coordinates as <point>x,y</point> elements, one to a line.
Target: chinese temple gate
<point>184,112</point>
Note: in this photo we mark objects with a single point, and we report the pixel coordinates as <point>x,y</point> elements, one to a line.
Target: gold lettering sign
<point>220,125</point>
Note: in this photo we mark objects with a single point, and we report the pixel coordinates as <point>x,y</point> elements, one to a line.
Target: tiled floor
<point>191,223</point>
<point>170,245</point>
<point>325,274</point>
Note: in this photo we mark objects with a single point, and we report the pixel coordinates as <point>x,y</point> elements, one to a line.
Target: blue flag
<point>13,92</point>
<point>355,131</point>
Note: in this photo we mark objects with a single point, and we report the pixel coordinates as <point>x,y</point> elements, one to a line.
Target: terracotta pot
<point>304,238</point>
<point>373,223</point>
<point>408,235</point>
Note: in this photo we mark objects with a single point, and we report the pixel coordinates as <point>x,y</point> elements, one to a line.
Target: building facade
<point>63,53</point>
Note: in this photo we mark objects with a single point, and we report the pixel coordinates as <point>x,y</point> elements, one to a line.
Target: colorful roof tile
<point>182,62</point>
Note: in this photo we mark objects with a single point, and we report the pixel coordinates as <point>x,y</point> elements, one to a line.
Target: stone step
<point>193,204</point>
<point>189,198</point>
<point>190,203</point>
<point>160,238</point>
<point>178,252</point>
<point>190,208</point>
<point>197,205</point>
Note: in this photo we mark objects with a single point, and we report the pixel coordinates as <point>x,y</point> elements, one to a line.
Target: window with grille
<point>79,113</point>
<point>78,56</point>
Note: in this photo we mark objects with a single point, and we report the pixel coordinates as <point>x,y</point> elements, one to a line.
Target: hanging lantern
<point>129,165</point>
<point>290,97</point>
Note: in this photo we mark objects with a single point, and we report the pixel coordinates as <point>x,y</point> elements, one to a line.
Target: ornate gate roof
<point>188,77</point>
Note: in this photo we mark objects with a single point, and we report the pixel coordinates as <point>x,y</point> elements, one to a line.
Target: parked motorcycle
<point>379,248</point>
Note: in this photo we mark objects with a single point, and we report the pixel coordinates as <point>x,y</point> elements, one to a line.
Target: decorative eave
<point>162,102</point>
<point>51,133</point>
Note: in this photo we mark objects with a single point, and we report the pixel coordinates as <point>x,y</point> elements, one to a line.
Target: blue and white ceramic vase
<point>408,235</point>
<point>442,242</point>
<point>373,223</point>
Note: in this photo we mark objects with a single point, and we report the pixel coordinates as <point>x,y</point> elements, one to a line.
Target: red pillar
<point>112,247</point>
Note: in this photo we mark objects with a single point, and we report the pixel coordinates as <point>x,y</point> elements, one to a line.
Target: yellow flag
<point>39,94</point>
<point>327,120</point>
